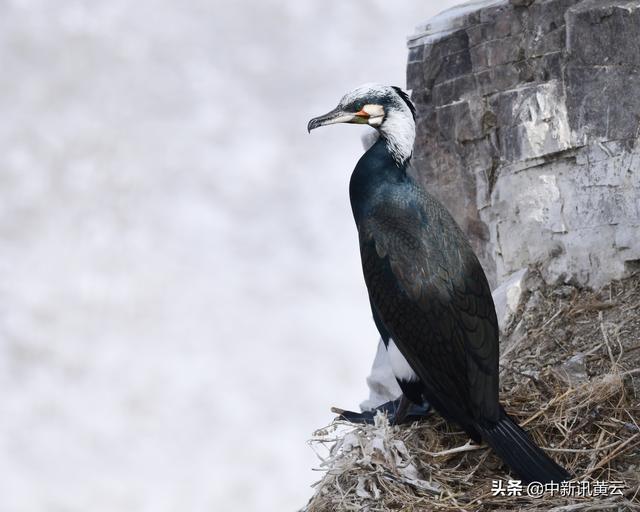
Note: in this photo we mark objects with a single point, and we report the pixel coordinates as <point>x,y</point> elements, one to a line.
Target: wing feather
<point>434,299</point>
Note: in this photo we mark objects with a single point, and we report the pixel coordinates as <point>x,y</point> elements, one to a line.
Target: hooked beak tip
<point>314,123</point>
<point>333,117</point>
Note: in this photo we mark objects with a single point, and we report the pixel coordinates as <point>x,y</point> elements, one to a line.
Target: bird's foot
<point>398,412</point>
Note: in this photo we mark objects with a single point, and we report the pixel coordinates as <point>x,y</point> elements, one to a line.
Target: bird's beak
<point>337,116</point>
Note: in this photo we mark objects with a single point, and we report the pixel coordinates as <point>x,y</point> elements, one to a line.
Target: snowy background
<point>181,299</point>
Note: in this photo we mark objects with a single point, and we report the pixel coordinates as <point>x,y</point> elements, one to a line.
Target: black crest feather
<point>406,99</point>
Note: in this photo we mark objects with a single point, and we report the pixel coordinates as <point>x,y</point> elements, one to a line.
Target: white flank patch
<point>399,364</point>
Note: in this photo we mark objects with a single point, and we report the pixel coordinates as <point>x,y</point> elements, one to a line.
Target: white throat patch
<point>399,130</point>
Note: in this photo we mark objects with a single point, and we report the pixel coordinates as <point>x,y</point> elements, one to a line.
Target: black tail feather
<point>514,446</point>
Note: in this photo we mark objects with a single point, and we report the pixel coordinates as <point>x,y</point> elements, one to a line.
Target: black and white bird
<point>430,298</point>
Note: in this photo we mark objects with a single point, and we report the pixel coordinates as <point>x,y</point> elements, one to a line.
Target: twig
<point>469,446</point>
<point>612,455</point>
<point>581,450</point>
<point>606,338</point>
<point>544,409</point>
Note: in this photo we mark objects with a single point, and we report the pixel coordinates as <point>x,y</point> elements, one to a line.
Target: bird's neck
<point>399,134</point>
<point>377,168</point>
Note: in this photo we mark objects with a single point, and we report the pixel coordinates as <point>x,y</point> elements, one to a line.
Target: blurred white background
<point>181,298</point>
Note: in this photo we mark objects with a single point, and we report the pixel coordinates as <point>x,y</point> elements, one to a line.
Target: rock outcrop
<point>529,122</point>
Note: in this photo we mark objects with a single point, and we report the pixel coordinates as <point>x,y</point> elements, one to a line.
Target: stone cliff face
<point>529,123</point>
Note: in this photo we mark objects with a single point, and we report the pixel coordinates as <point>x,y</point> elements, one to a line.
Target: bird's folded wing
<point>450,336</point>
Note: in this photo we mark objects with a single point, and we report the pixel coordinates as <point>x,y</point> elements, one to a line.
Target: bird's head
<point>386,108</point>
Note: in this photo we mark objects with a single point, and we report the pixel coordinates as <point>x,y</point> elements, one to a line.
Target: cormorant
<point>429,296</point>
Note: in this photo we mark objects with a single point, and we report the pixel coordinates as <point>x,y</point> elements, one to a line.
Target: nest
<point>570,376</point>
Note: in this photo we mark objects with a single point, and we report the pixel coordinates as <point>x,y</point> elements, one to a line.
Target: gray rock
<point>416,54</point>
<point>497,52</point>
<point>563,292</point>
<point>454,65</point>
<point>529,129</point>
<point>535,299</point>
<point>539,44</point>
<point>415,75</point>
<point>604,33</point>
<point>508,296</point>
<point>574,370</point>
<point>603,101</point>
<point>445,93</point>
<point>457,122</point>
<point>498,78</point>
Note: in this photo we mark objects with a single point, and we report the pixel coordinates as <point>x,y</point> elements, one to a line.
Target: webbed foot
<point>400,411</point>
